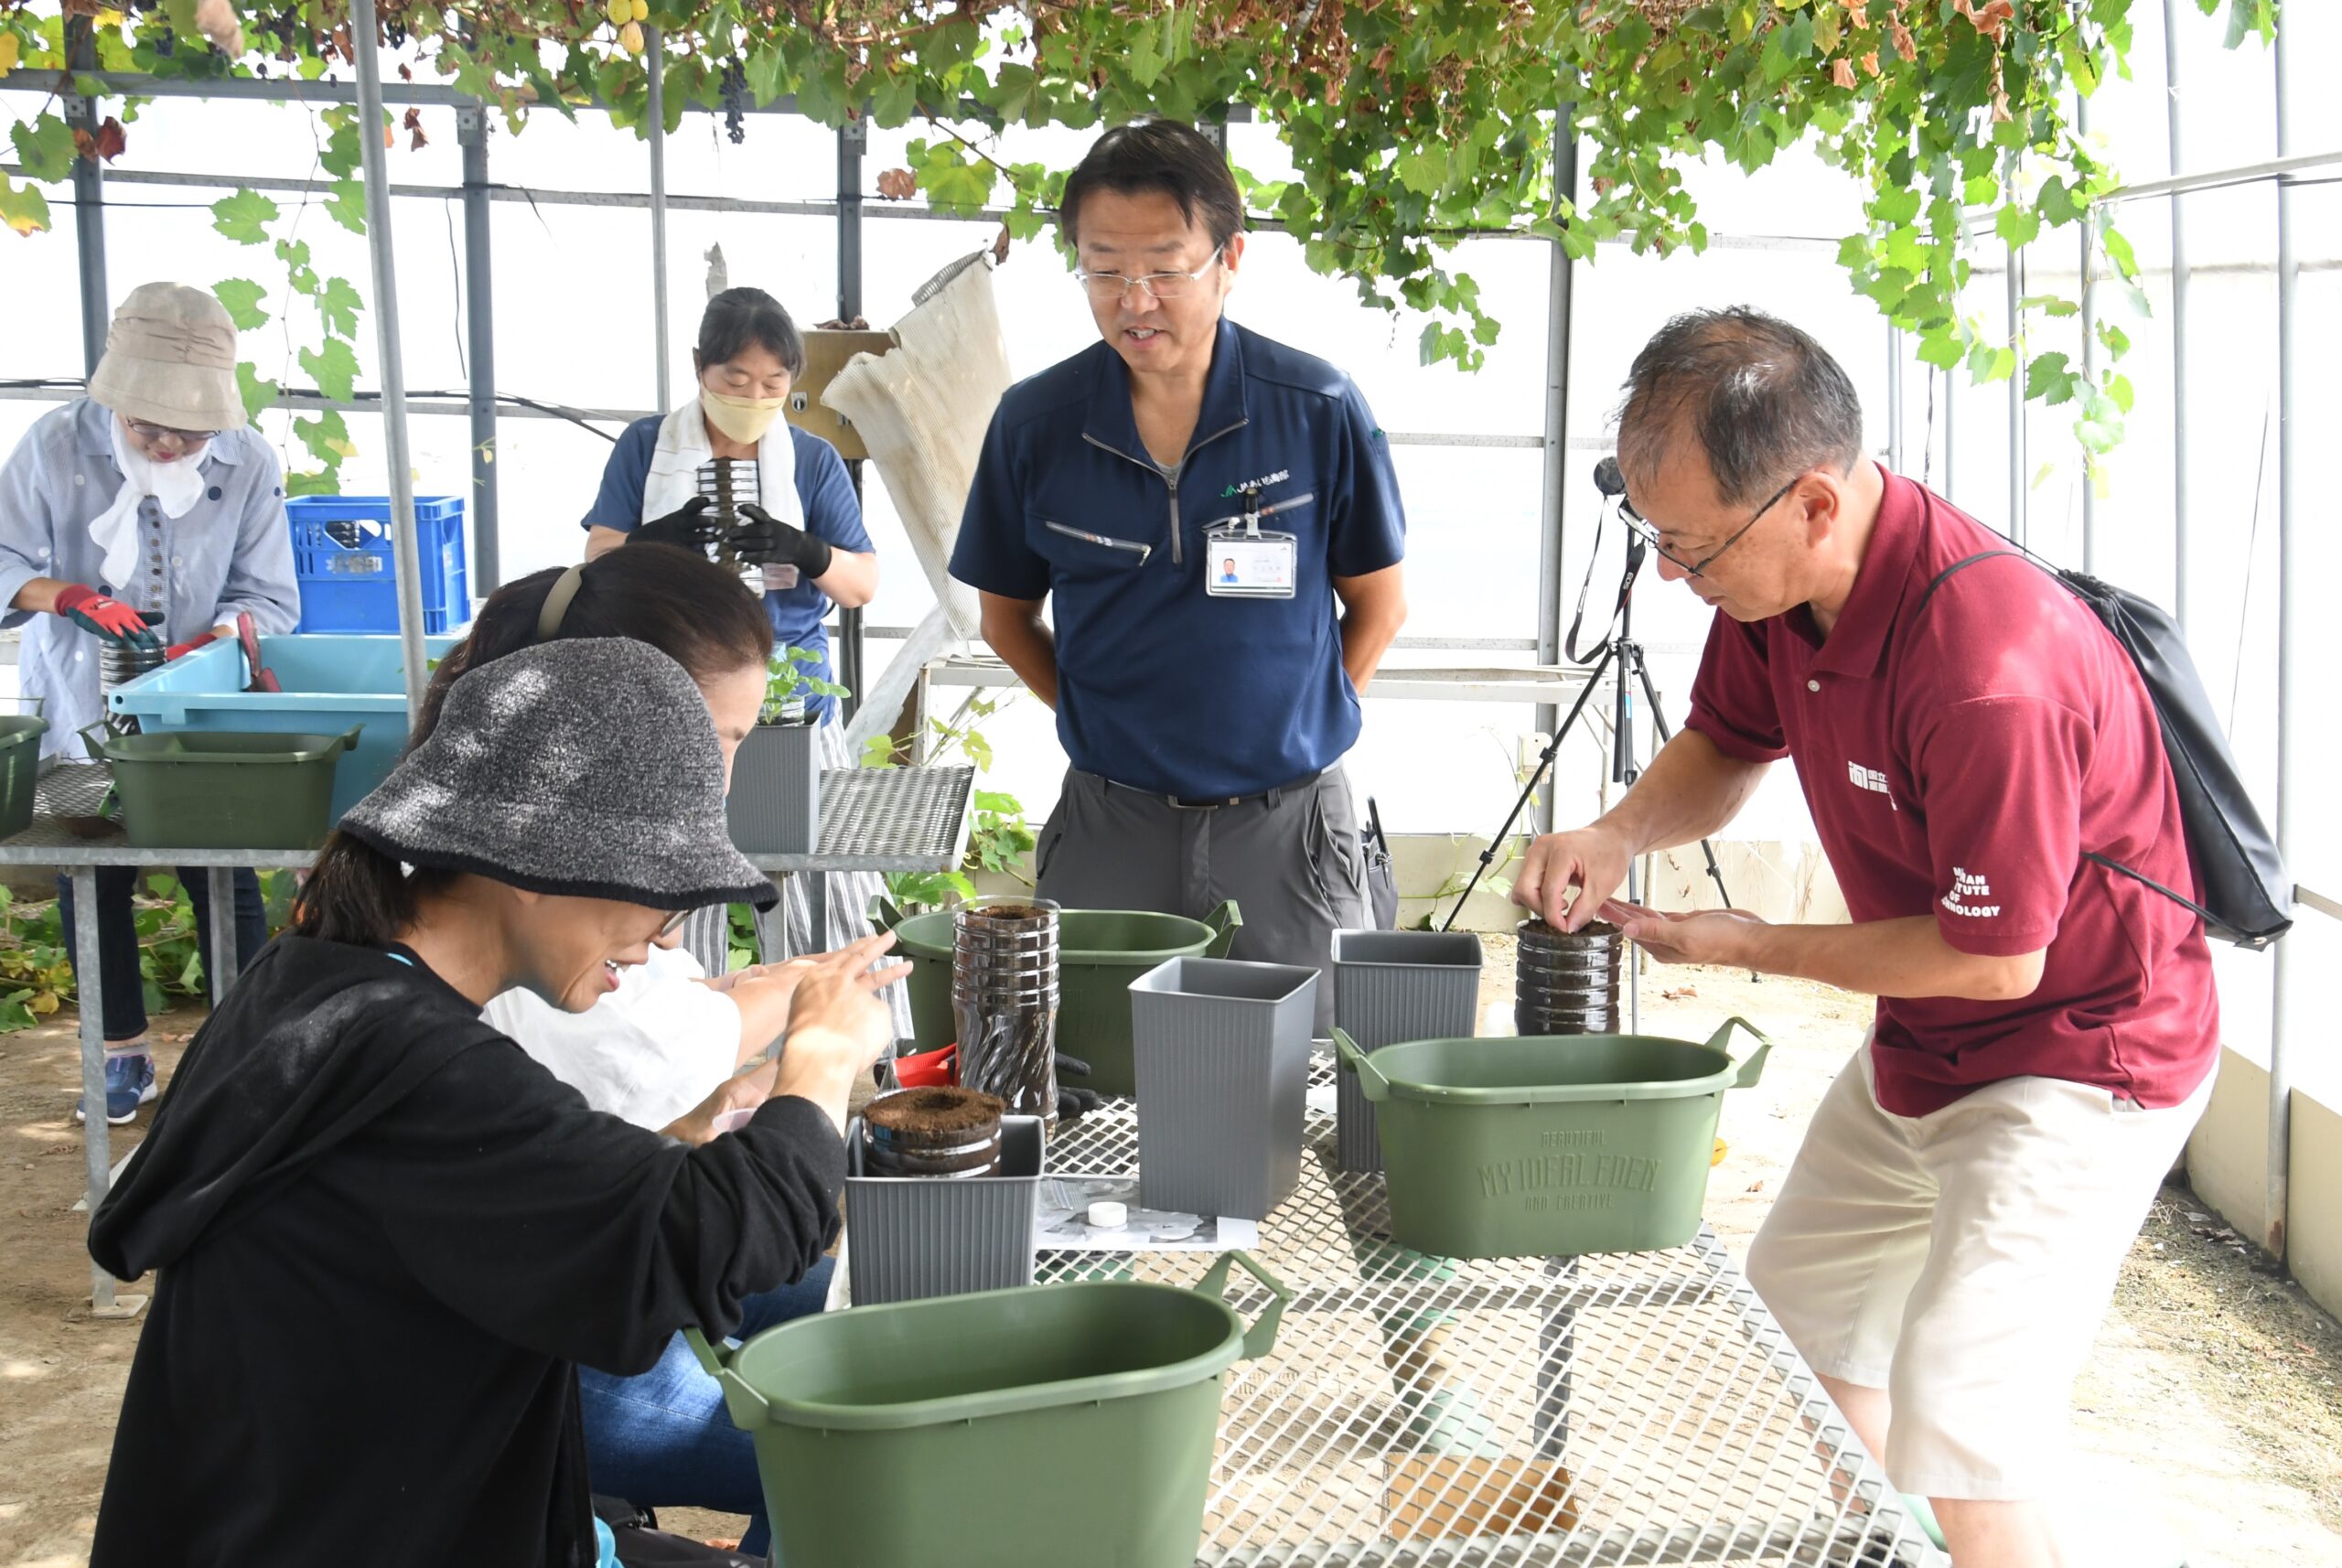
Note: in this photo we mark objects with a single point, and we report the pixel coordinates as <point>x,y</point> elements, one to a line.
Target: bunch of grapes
<point>734,83</point>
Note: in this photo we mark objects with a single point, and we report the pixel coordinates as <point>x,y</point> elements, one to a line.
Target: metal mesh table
<point>1423,1411</point>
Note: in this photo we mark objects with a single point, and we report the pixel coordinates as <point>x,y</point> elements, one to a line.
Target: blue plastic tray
<point>331,681</point>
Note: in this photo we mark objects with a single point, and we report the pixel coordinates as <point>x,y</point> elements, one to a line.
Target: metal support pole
<point>2089,365</point>
<point>1951,405</point>
<point>2180,596</point>
<point>853,140</point>
<point>1894,399</point>
<point>363,31</point>
<point>1558,281</point>
<point>89,201</point>
<point>219,965</point>
<point>654,56</point>
<point>2015,526</point>
<point>2292,765</point>
<point>97,1153</point>
<point>479,350</point>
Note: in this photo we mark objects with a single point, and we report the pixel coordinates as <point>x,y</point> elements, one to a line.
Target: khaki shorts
<point>1962,1261</point>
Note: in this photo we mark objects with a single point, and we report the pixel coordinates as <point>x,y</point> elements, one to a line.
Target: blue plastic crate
<point>342,555</point>
<point>331,683</point>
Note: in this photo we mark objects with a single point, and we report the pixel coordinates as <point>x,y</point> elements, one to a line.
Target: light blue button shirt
<point>232,553</point>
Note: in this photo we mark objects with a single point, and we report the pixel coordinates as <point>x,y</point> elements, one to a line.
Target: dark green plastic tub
<point>1051,1426</point>
<point>19,769</point>
<point>222,789</point>
<point>1549,1144</point>
<point>1100,952</point>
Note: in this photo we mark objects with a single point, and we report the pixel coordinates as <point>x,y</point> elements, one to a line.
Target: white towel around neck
<point>176,486</point>
<point>683,447</point>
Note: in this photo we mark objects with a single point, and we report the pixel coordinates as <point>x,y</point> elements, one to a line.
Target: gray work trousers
<point>1290,859</point>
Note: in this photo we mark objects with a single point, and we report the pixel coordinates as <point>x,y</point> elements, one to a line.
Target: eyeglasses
<point>674,923</point>
<point>1160,286</point>
<point>1649,535</point>
<point>146,431</point>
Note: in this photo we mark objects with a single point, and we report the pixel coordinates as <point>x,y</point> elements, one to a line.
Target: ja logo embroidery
<point>1253,486</point>
<point>1966,886</point>
<point>1870,778</point>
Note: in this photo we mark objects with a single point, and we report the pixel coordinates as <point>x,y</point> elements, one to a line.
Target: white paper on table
<point>1063,1224</point>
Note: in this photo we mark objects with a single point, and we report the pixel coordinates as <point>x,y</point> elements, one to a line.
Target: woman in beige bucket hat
<point>144,515</point>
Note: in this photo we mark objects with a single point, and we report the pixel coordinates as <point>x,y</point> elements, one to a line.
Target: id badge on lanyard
<point>1244,561</point>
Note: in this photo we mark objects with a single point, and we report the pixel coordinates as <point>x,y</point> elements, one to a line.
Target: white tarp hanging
<point>922,410</point>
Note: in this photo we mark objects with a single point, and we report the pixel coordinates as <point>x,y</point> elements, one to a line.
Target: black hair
<point>1163,156</point>
<point>742,318</point>
<point>1763,399</point>
<point>680,603</point>
<point>688,608</point>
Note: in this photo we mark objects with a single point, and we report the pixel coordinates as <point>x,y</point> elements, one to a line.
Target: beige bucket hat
<point>170,360</point>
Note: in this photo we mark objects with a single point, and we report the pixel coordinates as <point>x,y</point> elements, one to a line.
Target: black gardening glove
<point>763,539</point>
<point>1075,1104</point>
<point>688,527</point>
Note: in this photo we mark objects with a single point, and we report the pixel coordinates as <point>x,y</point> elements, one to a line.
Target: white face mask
<point>743,419</point>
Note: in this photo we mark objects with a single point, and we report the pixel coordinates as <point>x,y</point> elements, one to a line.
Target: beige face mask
<point>743,419</point>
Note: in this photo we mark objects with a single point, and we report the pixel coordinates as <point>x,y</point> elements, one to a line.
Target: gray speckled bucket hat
<point>586,766</point>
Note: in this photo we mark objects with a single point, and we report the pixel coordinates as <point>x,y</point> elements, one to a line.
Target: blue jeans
<point>664,1440</point>
<point>123,1002</point>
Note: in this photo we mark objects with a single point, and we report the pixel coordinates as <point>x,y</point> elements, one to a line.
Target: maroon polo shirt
<point>1958,760</point>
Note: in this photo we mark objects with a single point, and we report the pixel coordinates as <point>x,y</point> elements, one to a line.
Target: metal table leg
<point>97,1138</point>
<point>220,963</point>
<point>772,925</point>
<point>817,908</point>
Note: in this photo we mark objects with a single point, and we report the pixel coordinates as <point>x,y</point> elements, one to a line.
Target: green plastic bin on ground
<point>1549,1145</point>
<point>1100,952</point>
<point>1051,1426</point>
<point>220,790</point>
<point>19,769</point>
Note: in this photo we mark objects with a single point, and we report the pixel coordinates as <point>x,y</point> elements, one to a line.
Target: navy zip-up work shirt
<point>1160,685</point>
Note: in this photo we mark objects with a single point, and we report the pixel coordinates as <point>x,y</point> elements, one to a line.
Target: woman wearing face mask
<point>147,503</point>
<point>387,1238</point>
<point>806,533</point>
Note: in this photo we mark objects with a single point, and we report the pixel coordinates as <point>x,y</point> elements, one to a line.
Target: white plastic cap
<point>1108,1215</point>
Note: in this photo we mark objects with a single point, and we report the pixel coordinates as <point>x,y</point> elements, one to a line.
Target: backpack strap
<point>1938,581</point>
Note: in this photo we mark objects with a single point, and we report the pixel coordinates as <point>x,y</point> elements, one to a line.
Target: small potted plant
<point>775,807</point>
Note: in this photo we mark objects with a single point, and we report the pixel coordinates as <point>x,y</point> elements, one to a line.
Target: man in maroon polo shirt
<point>1948,1238</point>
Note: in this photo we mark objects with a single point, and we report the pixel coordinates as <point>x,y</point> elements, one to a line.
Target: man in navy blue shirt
<point>1214,518</point>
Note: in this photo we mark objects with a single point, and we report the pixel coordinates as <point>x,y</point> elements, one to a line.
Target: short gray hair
<point>1764,399</point>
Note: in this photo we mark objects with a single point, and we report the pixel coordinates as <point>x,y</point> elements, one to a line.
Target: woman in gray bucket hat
<point>387,1237</point>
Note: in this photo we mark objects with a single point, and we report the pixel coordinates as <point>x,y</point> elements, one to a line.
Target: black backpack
<point>2247,897</point>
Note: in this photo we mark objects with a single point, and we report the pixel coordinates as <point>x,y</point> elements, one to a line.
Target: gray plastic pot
<point>1390,986</point>
<point>1220,1052</point>
<point>914,1236</point>
<point>775,805</point>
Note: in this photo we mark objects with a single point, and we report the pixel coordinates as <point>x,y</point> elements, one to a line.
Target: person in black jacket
<point>386,1237</point>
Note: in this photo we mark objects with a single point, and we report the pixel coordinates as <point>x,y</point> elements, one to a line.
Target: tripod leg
<point>1658,722</point>
<point>1544,761</point>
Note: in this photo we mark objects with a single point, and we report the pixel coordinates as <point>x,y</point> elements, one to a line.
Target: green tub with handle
<point>1550,1144</point>
<point>1100,952</point>
<point>1051,1426</point>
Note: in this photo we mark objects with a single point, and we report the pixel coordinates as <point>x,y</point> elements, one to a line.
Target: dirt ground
<point>2210,1414</point>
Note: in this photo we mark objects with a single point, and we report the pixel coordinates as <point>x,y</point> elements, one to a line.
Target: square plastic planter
<point>774,806</point>
<point>1390,986</point>
<point>915,1237</point>
<point>1220,1052</point>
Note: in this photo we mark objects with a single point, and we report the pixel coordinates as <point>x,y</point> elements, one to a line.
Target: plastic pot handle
<point>94,734</point>
<point>350,740</point>
<point>1262,1337</point>
<point>1369,1077</point>
<point>1224,921</point>
<point>883,916</point>
<point>1752,1065</point>
<point>746,1405</point>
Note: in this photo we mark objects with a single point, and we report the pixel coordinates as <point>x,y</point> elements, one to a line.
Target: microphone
<point>1607,478</point>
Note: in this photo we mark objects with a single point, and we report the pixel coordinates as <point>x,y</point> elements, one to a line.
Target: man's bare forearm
<point>1014,629</point>
<point>1690,791</point>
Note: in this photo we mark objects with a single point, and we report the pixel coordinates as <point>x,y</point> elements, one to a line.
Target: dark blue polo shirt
<point>1160,685</point>
<point>824,491</point>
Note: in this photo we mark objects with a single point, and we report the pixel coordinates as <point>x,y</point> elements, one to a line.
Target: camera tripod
<point>1623,658</point>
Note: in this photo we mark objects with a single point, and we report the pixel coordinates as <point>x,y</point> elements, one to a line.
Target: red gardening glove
<point>105,618</point>
<point>181,649</point>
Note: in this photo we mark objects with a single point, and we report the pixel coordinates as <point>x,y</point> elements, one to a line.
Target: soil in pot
<point>942,1130</point>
